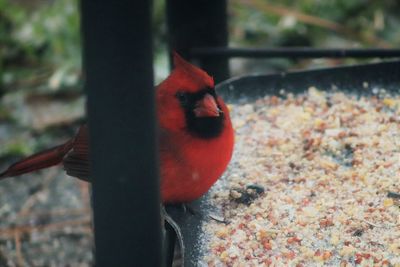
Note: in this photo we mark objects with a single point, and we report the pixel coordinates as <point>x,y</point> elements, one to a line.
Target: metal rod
<point>293,52</point>
<point>117,58</point>
<point>199,23</point>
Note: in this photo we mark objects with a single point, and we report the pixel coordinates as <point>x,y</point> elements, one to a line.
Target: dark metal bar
<point>121,112</point>
<point>199,23</point>
<point>292,52</point>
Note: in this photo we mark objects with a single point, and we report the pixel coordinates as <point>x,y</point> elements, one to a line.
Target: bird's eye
<point>182,97</point>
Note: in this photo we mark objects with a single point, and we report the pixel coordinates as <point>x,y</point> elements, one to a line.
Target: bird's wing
<point>76,162</point>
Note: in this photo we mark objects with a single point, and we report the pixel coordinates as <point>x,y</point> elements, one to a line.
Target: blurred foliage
<point>40,39</point>
<point>314,23</point>
<point>39,58</point>
<point>40,51</point>
<point>40,44</point>
<point>329,23</point>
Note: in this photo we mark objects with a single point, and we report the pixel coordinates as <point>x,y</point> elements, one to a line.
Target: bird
<point>196,138</point>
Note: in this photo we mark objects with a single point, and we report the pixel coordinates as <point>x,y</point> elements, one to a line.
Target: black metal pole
<point>199,23</point>
<point>293,52</point>
<point>121,112</point>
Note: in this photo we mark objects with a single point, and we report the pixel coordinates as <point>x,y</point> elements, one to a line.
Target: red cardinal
<point>196,138</point>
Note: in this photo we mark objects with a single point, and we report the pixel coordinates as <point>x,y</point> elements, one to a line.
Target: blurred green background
<point>41,100</point>
<point>40,53</point>
<point>40,42</point>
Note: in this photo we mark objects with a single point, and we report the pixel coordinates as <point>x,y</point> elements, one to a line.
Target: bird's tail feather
<point>44,159</point>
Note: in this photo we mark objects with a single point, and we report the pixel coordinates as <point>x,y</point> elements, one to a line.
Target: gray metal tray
<point>248,88</point>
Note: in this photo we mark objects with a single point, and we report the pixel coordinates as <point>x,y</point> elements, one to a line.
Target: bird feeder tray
<point>358,79</point>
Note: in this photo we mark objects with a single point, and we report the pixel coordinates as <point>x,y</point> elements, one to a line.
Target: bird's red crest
<point>196,75</point>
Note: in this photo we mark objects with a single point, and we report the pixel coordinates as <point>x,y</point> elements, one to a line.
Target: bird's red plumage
<point>190,163</point>
<point>190,166</point>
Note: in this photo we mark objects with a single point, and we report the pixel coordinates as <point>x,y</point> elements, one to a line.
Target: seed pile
<point>314,181</point>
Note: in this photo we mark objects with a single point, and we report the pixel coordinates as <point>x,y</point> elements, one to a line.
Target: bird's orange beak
<point>207,107</point>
